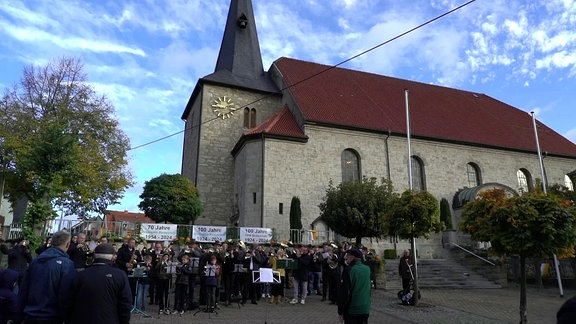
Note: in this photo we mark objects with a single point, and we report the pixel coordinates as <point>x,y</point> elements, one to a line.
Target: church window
<point>350,165</point>
<point>418,175</point>
<point>524,180</point>
<point>280,208</point>
<point>249,117</point>
<point>568,183</point>
<point>473,172</point>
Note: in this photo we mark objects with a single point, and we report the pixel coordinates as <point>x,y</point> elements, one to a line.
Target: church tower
<point>235,98</point>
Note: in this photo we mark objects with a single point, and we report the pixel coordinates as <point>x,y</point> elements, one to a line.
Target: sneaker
<point>302,302</point>
<point>174,312</point>
<point>294,301</point>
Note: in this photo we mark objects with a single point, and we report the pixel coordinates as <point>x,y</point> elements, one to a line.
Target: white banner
<point>209,234</point>
<point>159,232</point>
<point>255,234</point>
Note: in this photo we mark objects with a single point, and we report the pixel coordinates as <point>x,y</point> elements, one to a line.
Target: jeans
<point>141,291</point>
<point>314,282</point>
<point>300,289</point>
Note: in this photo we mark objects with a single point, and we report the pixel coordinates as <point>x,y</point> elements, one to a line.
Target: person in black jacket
<point>101,293</point>
<point>19,257</point>
<point>300,275</point>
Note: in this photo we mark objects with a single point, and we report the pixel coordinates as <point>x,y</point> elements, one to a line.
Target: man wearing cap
<point>355,287</point>
<point>101,293</point>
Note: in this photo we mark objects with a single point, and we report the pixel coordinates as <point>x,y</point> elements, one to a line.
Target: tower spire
<point>240,61</point>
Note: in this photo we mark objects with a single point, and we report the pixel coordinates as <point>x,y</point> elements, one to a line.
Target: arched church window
<point>524,180</point>
<point>418,175</point>
<point>246,117</point>
<point>568,183</point>
<point>249,117</point>
<point>252,117</point>
<point>473,172</point>
<point>350,165</point>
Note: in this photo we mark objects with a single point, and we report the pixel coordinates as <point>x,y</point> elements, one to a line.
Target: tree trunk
<point>523,306</point>
<point>358,241</point>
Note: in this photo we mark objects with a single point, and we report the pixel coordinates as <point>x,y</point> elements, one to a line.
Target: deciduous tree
<point>533,225</point>
<point>171,198</point>
<point>60,144</point>
<point>356,208</point>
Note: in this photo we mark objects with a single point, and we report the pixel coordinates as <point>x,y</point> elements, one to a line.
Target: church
<point>255,138</point>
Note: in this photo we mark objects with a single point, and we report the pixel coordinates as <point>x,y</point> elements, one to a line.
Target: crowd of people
<point>68,270</point>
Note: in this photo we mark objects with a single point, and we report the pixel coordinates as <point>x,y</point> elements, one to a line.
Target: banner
<point>159,232</point>
<point>209,234</point>
<point>255,235</point>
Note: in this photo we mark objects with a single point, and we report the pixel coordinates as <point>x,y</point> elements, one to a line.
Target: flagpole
<point>410,186</point>
<point>545,189</point>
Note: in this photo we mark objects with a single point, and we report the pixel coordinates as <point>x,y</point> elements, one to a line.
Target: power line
<point>319,73</point>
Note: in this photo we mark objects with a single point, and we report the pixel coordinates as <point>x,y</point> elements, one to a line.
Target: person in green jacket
<point>355,288</point>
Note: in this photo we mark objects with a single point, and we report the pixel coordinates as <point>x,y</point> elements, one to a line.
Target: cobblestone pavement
<point>436,306</point>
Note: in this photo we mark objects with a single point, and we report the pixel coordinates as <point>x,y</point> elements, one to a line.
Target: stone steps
<point>439,273</point>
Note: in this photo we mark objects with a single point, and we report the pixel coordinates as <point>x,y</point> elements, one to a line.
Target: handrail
<point>474,254</point>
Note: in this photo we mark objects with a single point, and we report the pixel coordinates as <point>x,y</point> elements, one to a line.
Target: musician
<point>156,256</point>
<point>195,254</point>
<point>183,271</point>
<point>253,260</point>
<point>315,273</point>
<point>300,278</point>
<point>211,274</point>
<point>227,275</point>
<point>80,252</point>
<point>128,257</point>
<point>330,274</point>
<point>370,261</point>
<point>162,283</point>
<point>277,289</point>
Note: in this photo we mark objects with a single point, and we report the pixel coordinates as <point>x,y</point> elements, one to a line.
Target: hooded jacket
<point>9,307</point>
<point>45,292</point>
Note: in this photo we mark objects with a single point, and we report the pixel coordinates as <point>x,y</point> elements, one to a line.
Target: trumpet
<point>333,261</point>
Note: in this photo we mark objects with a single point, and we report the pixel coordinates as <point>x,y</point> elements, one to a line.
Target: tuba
<point>333,262</point>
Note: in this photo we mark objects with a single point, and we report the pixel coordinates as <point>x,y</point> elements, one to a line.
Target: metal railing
<point>472,253</point>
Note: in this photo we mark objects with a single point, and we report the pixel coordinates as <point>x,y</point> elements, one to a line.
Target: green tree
<point>171,198</point>
<point>446,214</point>
<point>533,225</point>
<point>356,208</point>
<point>60,146</point>
<point>295,219</point>
<point>413,215</point>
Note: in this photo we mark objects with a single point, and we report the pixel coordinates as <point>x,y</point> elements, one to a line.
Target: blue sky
<point>146,56</point>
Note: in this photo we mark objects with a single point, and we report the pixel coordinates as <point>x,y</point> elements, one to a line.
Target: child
<point>162,283</point>
<point>183,272</point>
<point>211,273</point>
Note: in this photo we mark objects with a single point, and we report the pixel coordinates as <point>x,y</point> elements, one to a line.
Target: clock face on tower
<point>223,107</point>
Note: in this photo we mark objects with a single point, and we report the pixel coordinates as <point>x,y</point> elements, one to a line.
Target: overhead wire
<point>318,73</point>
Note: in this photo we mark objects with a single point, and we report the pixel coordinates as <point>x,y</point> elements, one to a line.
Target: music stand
<point>266,275</point>
<point>138,273</point>
<point>209,271</point>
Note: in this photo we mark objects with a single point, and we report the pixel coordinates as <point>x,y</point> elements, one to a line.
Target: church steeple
<point>240,61</point>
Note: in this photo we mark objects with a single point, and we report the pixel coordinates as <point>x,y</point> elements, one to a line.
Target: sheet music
<point>266,275</point>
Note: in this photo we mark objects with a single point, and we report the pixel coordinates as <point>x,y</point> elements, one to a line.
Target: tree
<point>60,145</point>
<point>531,225</point>
<point>445,214</point>
<point>171,198</point>
<point>413,215</point>
<point>295,219</point>
<point>356,208</point>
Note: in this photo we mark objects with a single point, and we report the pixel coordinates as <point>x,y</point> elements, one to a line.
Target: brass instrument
<point>333,261</point>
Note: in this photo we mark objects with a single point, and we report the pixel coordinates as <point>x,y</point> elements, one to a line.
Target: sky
<point>146,56</point>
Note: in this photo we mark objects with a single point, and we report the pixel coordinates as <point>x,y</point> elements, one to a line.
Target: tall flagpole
<point>545,188</point>
<point>410,186</point>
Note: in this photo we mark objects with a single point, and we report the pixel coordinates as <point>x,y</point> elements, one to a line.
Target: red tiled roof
<point>349,98</point>
<point>124,216</point>
<point>281,123</point>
